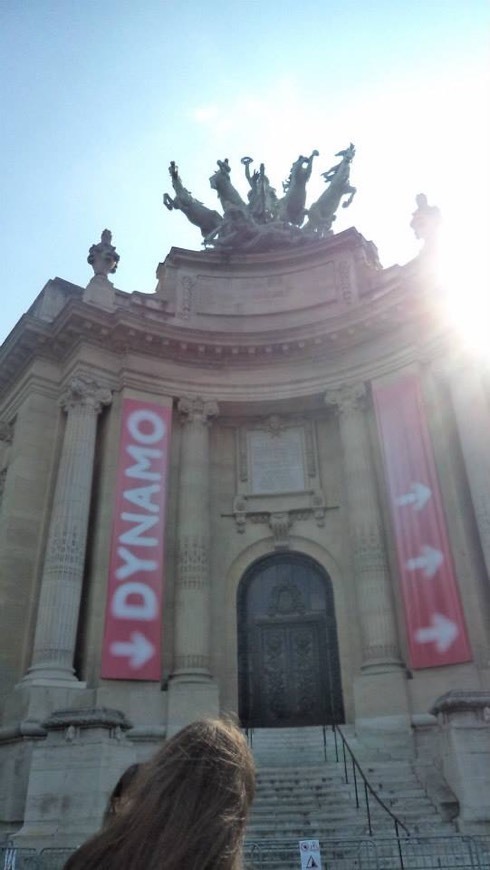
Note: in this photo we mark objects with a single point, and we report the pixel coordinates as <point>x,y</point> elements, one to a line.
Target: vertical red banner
<point>434,617</point>
<point>133,624</point>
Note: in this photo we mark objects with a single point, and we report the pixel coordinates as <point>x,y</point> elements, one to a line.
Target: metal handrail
<point>368,789</point>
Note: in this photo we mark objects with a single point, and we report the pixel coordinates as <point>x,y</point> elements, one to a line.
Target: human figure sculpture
<point>263,201</point>
<point>426,220</point>
<point>265,222</point>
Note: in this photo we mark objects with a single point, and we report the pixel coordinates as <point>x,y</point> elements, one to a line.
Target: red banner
<point>133,625</point>
<point>435,622</point>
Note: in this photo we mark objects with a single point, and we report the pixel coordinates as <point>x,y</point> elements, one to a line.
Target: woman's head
<point>120,793</point>
<point>188,808</point>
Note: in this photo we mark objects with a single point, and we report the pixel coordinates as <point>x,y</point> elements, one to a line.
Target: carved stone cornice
<point>280,524</point>
<point>348,399</point>
<point>197,410</point>
<point>83,392</point>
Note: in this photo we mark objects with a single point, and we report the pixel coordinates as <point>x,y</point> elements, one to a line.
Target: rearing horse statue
<point>200,215</point>
<point>292,205</point>
<point>220,182</point>
<point>321,214</point>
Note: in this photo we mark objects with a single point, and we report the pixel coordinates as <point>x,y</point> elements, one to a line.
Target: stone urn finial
<point>103,256</point>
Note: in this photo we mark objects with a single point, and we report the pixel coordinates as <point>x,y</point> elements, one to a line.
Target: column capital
<point>197,410</point>
<point>347,399</point>
<point>85,392</point>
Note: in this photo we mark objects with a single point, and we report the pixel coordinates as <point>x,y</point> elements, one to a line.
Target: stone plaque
<point>276,461</point>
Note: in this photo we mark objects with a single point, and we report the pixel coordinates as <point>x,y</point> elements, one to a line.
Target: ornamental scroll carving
<point>83,392</point>
<point>195,410</point>
<point>348,399</point>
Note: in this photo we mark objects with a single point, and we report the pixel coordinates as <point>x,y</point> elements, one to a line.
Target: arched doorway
<point>288,657</point>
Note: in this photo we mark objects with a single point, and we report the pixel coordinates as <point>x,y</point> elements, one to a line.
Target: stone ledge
<point>97,717</point>
<point>460,702</point>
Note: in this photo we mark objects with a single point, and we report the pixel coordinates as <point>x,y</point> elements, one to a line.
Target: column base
<point>33,702</point>
<point>382,711</point>
<point>190,697</point>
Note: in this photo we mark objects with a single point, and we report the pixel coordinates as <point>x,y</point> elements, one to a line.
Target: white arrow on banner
<point>418,495</point>
<point>429,561</point>
<point>443,632</point>
<point>138,650</point>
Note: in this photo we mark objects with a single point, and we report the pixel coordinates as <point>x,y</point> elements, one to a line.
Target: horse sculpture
<point>198,214</point>
<point>321,214</point>
<point>292,205</point>
<point>220,182</point>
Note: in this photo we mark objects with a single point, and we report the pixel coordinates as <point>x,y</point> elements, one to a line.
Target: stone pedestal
<point>100,291</point>
<point>464,722</point>
<point>192,691</point>
<point>73,771</point>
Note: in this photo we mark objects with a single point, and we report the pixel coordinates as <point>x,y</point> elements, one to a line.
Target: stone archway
<point>288,658</point>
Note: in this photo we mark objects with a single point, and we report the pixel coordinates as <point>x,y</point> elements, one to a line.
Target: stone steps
<point>300,795</point>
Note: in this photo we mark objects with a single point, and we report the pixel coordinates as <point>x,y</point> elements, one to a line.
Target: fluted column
<point>61,584</point>
<point>472,410</point>
<point>192,624</point>
<point>378,629</point>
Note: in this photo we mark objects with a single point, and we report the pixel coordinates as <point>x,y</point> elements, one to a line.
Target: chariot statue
<point>264,221</point>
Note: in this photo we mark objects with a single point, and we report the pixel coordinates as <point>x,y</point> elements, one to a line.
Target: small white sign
<point>310,855</point>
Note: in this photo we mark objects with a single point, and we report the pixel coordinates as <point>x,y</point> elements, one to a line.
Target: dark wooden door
<point>289,671</point>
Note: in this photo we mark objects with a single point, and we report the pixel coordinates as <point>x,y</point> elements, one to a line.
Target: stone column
<point>378,629</point>
<point>61,584</point>
<point>385,693</point>
<point>192,604</point>
<point>472,410</point>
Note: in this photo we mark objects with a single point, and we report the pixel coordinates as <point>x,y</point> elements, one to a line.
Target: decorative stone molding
<point>196,410</point>
<point>192,562</point>
<point>6,432</point>
<point>6,437</point>
<point>184,309</point>
<point>243,513</point>
<point>86,393</point>
<point>280,524</point>
<point>95,717</point>
<point>457,701</point>
<point>348,399</point>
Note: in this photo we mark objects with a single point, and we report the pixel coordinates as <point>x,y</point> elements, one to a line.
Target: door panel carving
<point>288,663</point>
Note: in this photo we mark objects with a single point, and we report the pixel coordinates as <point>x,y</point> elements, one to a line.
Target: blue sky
<point>97,98</point>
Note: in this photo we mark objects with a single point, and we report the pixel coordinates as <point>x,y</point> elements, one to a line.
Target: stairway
<point>300,796</point>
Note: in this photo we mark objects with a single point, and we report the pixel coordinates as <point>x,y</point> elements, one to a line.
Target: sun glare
<point>464,277</point>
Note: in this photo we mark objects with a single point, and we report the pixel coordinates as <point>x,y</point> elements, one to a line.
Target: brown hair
<point>188,808</point>
<point>120,793</point>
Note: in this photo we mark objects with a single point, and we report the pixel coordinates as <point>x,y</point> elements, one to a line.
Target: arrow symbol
<point>418,495</point>
<point>428,561</point>
<point>138,650</point>
<point>443,632</point>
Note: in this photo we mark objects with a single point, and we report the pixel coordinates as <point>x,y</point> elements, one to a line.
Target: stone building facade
<point>282,600</point>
